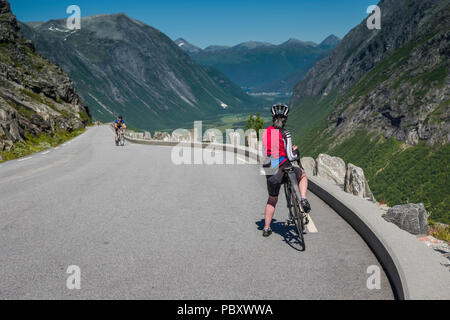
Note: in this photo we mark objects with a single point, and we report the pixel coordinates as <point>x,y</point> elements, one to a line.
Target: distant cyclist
<point>278,149</point>
<point>119,124</point>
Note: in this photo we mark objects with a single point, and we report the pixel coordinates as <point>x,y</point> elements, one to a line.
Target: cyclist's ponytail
<point>279,122</point>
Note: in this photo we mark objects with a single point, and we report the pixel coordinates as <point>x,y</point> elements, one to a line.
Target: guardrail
<point>247,152</point>
<point>414,271</point>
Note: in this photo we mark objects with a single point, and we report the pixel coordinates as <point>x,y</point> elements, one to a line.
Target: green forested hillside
<point>398,173</point>
<point>381,101</point>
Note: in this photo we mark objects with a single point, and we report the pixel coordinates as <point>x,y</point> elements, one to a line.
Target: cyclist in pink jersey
<point>278,149</point>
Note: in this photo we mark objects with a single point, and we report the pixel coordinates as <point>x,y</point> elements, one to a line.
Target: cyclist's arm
<point>292,156</point>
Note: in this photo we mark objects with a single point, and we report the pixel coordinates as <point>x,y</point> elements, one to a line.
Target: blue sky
<point>219,22</point>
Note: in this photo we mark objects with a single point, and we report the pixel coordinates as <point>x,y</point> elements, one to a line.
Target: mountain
<point>381,101</point>
<point>186,46</point>
<point>215,48</point>
<point>330,42</point>
<point>122,66</point>
<point>250,45</point>
<point>296,42</point>
<point>36,97</point>
<point>261,66</point>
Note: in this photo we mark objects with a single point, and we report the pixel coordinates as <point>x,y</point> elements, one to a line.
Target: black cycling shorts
<point>275,181</point>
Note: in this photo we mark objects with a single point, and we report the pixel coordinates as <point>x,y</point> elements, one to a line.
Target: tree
<point>255,122</point>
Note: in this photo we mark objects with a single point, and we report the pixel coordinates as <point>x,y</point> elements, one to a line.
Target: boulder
<point>252,140</point>
<point>356,183</point>
<point>161,136</point>
<point>412,218</point>
<point>213,136</point>
<point>135,135</point>
<point>235,138</point>
<point>331,168</point>
<point>147,135</point>
<point>309,164</point>
<point>181,136</point>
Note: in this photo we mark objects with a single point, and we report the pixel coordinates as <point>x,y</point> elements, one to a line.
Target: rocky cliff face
<point>380,100</point>
<point>35,96</point>
<point>393,81</point>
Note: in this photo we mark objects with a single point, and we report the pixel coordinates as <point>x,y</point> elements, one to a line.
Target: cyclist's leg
<point>273,186</point>
<point>303,187</point>
<point>302,180</point>
<point>270,211</point>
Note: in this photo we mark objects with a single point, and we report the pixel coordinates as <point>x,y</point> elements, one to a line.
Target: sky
<point>218,22</point>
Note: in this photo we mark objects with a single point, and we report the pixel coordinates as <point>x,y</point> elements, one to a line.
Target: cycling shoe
<point>306,206</point>
<point>267,233</point>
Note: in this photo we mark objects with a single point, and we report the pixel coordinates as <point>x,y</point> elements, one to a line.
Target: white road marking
<point>311,226</point>
<point>25,159</point>
<point>244,161</point>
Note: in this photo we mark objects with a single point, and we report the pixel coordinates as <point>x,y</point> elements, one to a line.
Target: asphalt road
<point>140,227</point>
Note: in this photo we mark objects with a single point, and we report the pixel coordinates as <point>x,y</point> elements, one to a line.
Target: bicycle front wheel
<point>297,209</point>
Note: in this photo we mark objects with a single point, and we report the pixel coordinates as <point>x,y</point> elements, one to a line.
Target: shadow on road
<point>289,234</point>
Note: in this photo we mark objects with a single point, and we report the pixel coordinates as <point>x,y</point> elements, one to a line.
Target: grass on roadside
<point>34,144</point>
<point>439,231</point>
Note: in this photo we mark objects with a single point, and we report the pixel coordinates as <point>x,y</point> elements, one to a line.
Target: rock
<point>252,140</point>
<point>213,136</point>
<point>356,183</point>
<point>181,136</point>
<point>441,247</point>
<point>309,164</point>
<point>161,136</point>
<point>36,96</point>
<point>3,115</point>
<point>147,135</point>
<point>389,107</point>
<point>135,135</point>
<point>9,28</point>
<point>331,168</point>
<point>412,218</point>
<point>235,138</point>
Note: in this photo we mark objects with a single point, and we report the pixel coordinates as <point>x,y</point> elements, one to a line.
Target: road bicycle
<point>121,141</point>
<point>297,214</point>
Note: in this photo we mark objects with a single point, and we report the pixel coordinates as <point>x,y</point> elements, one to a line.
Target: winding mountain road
<point>140,227</point>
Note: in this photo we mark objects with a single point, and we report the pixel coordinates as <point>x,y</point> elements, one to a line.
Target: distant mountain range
<point>261,66</point>
<point>122,66</point>
<point>380,100</point>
